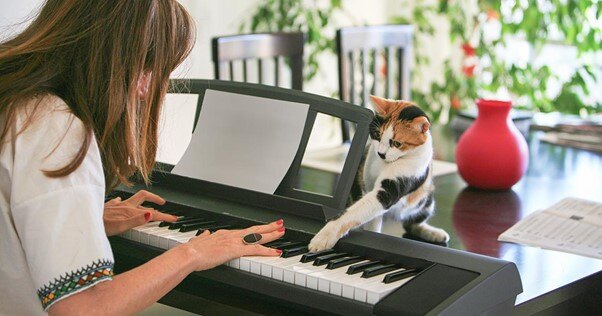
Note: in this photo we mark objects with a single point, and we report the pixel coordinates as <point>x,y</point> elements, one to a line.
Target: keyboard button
<point>166,224</point>
<point>322,260</point>
<point>399,275</point>
<point>331,281</point>
<point>356,268</point>
<point>213,228</point>
<point>291,252</point>
<point>196,226</point>
<point>311,256</point>
<point>378,270</point>
<point>290,245</point>
<point>278,267</point>
<point>276,243</point>
<point>180,223</point>
<point>341,262</point>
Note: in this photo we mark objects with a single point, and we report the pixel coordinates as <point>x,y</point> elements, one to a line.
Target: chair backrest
<point>262,48</point>
<point>385,49</point>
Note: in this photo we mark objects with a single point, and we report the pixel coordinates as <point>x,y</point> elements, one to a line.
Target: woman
<point>80,95</point>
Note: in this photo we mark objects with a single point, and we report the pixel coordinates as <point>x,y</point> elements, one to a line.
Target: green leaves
<point>297,15</point>
<point>571,22</point>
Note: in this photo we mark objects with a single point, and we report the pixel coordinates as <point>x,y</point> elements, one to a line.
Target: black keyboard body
<point>450,282</point>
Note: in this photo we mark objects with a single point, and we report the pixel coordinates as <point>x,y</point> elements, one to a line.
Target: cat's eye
<point>394,143</point>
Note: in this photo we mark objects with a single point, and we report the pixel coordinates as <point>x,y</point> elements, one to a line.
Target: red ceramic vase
<point>492,153</point>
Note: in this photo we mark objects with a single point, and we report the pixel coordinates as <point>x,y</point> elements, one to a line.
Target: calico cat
<point>395,178</point>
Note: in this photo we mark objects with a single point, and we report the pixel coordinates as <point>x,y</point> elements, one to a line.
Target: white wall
<point>213,18</point>
<point>13,13</point>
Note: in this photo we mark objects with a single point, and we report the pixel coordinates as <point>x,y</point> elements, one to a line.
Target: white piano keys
<point>127,234</point>
<point>165,237</point>
<point>234,263</point>
<point>355,281</point>
<point>244,264</point>
<point>136,233</point>
<point>153,235</point>
<point>291,270</point>
<point>327,277</point>
<point>302,275</point>
<point>360,292</point>
<point>267,264</point>
<point>277,267</point>
<point>185,237</point>
<point>376,292</point>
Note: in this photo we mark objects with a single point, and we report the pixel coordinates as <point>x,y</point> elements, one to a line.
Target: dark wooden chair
<point>263,48</point>
<point>362,51</point>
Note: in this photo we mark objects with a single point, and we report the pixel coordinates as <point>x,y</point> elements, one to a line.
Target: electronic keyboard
<point>365,273</point>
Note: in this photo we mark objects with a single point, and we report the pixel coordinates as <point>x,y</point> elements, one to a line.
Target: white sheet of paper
<point>175,127</point>
<point>244,141</point>
<point>571,225</point>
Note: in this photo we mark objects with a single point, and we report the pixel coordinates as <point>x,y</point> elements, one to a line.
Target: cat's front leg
<point>327,237</point>
<point>359,213</point>
<point>375,225</point>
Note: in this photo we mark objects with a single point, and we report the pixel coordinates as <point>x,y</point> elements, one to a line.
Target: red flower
<point>383,67</point>
<point>492,15</point>
<point>469,70</point>
<point>468,50</point>
<point>455,102</point>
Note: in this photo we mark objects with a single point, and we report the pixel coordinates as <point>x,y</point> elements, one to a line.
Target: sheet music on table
<point>571,225</point>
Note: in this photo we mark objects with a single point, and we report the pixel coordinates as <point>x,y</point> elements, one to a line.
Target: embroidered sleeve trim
<point>74,281</point>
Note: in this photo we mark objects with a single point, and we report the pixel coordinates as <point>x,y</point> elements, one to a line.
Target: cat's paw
<point>325,239</point>
<point>430,233</point>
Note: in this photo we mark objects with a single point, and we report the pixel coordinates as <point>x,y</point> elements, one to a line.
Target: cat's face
<point>398,128</point>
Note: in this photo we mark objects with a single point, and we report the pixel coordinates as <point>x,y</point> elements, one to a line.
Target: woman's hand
<point>210,250</point>
<point>119,216</point>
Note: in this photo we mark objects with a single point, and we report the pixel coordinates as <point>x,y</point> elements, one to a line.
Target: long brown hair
<point>92,54</point>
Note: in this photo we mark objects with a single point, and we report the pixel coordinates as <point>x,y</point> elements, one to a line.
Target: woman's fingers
<point>143,196</point>
<point>136,221</point>
<point>114,201</point>
<point>115,226</point>
<point>158,216</point>
<point>154,214</point>
<point>262,229</point>
<point>206,232</point>
<point>269,237</point>
<point>259,250</point>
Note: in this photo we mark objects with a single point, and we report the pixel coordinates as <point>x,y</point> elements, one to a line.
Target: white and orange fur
<point>396,177</point>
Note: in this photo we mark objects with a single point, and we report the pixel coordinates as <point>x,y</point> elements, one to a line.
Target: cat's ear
<point>381,105</point>
<point>421,124</point>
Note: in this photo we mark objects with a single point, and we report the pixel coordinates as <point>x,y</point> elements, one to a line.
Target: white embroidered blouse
<point>52,239</point>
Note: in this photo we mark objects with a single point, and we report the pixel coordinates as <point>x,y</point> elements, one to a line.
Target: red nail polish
<point>279,222</point>
<point>279,251</point>
<point>281,229</point>
<point>147,216</point>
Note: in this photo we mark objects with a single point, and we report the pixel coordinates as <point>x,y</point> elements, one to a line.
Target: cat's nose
<point>381,155</point>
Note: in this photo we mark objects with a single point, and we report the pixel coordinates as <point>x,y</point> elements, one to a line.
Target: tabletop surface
<point>475,218</point>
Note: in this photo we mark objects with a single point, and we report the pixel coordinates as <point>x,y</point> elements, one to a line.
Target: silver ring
<point>251,239</point>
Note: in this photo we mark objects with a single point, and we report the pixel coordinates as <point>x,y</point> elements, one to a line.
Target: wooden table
<point>553,281</point>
